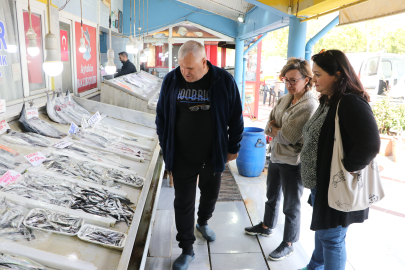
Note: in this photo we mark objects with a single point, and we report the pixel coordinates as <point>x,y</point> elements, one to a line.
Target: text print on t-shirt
<point>193,96</point>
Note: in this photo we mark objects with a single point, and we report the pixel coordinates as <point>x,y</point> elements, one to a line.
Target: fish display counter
<point>138,91</point>
<point>75,193</point>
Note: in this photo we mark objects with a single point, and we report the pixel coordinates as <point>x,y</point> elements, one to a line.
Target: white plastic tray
<point>85,226</point>
<point>52,231</point>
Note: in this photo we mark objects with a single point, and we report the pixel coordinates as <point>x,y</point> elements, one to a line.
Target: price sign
<point>73,128</point>
<point>62,144</point>
<point>2,105</point>
<point>94,119</point>
<point>35,159</point>
<point>85,124</point>
<point>3,126</point>
<point>9,177</point>
<point>31,112</point>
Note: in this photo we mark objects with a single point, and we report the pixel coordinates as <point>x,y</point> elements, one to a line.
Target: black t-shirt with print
<point>194,130</point>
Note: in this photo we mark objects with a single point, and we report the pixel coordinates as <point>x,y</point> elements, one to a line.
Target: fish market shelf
<point>58,250</point>
<point>138,91</point>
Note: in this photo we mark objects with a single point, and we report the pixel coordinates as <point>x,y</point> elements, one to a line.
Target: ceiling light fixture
<point>110,68</point>
<point>32,49</point>
<point>241,18</point>
<point>52,65</point>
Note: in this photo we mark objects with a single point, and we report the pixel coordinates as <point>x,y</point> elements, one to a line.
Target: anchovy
<point>102,236</point>
<point>54,221</point>
<point>39,126</point>
<point>50,110</point>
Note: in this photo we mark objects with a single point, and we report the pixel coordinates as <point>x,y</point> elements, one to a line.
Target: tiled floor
<point>373,245</point>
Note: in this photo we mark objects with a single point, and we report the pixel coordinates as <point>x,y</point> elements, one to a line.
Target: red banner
<point>64,45</point>
<point>34,63</point>
<point>86,63</point>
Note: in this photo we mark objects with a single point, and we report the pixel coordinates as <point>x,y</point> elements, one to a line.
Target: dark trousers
<point>185,185</point>
<point>286,178</point>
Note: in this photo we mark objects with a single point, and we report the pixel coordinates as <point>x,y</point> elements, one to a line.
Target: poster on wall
<point>86,63</point>
<point>64,45</point>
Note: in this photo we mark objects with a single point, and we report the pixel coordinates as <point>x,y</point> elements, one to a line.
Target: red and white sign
<point>64,45</point>
<point>2,105</point>
<point>35,159</point>
<point>31,112</point>
<point>34,63</point>
<point>3,126</point>
<point>86,63</point>
<point>9,177</point>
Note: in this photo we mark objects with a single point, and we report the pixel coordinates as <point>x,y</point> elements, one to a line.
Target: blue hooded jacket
<point>226,110</point>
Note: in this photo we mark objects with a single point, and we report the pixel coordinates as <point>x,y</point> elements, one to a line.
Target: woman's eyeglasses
<point>197,107</point>
<point>291,81</point>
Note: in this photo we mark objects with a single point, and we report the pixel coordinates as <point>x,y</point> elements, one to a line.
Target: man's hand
<point>231,157</point>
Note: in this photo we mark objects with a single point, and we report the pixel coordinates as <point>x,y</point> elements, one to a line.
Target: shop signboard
<point>86,63</point>
<point>64,45</point>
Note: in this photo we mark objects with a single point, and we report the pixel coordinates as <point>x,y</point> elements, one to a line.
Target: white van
<point>380,72</point>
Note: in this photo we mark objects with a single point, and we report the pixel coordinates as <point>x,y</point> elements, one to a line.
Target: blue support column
<point>239,46</point>
<point>296,38</point>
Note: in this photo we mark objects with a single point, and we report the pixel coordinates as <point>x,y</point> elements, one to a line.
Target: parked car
<point>381,72</point>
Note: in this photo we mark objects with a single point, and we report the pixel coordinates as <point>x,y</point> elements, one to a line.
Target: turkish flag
<point>64,45</point>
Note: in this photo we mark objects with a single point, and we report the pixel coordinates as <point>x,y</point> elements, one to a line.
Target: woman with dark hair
<point>337,82</point>
<point>284,172</point>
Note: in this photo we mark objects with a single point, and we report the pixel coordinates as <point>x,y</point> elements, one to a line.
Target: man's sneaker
<point>258,230</point>
<point>283,251</point>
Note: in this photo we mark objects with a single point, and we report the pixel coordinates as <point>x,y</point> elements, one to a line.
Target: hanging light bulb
<point>135,46</point>
<point>110,68</point>
<point>130,46</point>
<point>147,51</point>
<point>82,47</point>
<point>52,65</point>
<point>143,57</point>
<point>32,49</point>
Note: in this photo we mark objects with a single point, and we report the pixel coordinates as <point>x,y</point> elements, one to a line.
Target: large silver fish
<point>50,110</point>
<point>13,261</point>
<point>30,138</point>
<point>39,126</point>
<point>79,109</point>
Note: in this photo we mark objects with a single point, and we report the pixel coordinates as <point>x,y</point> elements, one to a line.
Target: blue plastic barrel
<point>252,154</point>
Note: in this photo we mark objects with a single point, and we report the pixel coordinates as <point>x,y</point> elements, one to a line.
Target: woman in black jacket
<point>336,80</point>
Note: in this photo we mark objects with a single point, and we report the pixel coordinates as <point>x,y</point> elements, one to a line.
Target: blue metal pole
<point>312,41</point>
<point>296,39</point>
<point>239,46</point>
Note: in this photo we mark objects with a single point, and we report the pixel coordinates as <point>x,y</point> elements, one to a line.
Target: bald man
<point>199,123</point>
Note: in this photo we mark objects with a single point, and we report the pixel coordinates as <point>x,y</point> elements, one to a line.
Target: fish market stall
<point>138,91</point>
<point>79,176</point>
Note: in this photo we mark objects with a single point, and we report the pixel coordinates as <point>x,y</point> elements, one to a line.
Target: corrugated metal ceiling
<point>226,8</point>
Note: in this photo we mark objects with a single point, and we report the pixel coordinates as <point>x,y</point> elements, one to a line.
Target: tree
<point>394,42</point>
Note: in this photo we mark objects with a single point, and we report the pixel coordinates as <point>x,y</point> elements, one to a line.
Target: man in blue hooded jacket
<point>199,123</point>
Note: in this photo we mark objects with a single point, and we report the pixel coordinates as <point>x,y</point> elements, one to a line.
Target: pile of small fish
<point>103,236</point>
<point>11,221</point>
<point>7,161</point>
<point>112,142</point>
<point>25,139</point>
<point>39,126</point>
<point>55,191</point>
<point>99,156</point>
<point>16,262</point>
<point>64,110</point>
<point>102,203</point>
<point>43,188</point>
<point>89,171</point>
<point>53,221</point>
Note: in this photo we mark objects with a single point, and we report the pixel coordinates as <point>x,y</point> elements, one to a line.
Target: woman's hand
<point>274,128</point>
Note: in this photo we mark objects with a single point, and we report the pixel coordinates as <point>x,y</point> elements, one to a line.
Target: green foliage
<point>395,41</point>
<point>389,117</point>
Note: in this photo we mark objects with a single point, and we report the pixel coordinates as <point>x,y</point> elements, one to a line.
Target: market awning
<point>369,10</point>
